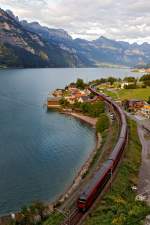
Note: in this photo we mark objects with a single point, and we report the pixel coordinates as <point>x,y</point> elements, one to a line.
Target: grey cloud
<point>118,19</point>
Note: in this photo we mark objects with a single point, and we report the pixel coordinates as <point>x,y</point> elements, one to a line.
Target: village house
<point>74,97</point>
<point>145,111</point>
<point>83,99</point>
<point>53,102</point>
<point>133,105</point>
<point>85,92</point>
<point>58,93</point>
<point>71,99</point>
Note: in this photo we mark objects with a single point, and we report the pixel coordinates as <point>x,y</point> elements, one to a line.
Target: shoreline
<point>85,167</point>
<point>89,120</point>
<point>81,172</point>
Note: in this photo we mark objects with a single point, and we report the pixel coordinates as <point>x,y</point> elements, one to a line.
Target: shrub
<point>130,86</point>
<point>102,123</point>
<point>94,109</point>
<point>63,102</point>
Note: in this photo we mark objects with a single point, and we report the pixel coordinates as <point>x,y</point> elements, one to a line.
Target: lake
<point>40,151</point>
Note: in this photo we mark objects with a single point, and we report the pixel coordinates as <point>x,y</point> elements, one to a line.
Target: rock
<point>140,198</point>
<point>134,188</point>
<point>37,219</point>
<point>147,221</point>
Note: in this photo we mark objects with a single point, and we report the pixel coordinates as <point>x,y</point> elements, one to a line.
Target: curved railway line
<point>104,175</point>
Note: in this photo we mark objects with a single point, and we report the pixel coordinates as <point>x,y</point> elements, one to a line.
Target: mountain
<point>22,48</point>
<point>104,51</point>
<point>45,32</point>
<point>33,45</point>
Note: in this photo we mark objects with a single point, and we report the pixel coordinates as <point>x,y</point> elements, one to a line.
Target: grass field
<point>140,93</point>
<point>119,206</point>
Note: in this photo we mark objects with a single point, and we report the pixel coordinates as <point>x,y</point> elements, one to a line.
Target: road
<point>144,175</point>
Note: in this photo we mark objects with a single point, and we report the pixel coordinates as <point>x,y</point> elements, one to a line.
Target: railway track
<point>77,215</point>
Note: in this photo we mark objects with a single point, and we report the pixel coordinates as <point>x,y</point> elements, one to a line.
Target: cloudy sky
<point>127,20</point>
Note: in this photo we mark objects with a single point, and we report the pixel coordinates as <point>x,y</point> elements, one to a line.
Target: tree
<point>94,109</point>
<point>146,79</point>
<point>148,100</point>
<point>80,83</point>
<point>85,107</point>
<point>111,80</point>
<point>130,79</point>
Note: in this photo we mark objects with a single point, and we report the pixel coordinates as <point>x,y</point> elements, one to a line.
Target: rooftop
<point>49,98</point>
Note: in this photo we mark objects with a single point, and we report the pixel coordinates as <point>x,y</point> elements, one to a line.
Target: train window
<point>81,201</point>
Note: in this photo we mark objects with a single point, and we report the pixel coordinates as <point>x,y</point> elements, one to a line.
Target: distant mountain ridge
<point>48,47</point>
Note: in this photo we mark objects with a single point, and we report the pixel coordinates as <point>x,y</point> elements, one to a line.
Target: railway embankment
<point>120,206</point>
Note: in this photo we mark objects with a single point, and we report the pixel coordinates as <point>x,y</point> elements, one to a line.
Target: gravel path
<point>144,176</point>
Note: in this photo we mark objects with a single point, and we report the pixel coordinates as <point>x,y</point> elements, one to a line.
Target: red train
<point>103,175</point>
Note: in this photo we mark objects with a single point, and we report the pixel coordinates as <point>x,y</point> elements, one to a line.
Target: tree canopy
<point>130,79</point>
<point>102,123</point>
<point>80,83</point>
<point>111,80</point>
<point>146,79</point>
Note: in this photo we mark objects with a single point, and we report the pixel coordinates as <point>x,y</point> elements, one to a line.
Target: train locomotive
<point>104,174</point>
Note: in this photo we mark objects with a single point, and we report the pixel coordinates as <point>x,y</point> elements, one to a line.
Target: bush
<point>143,86</point>
<point>130,86</point>
<point>102,123</point>
<point>147,83</point>
<point>94,109</point>
<point>63,102</point>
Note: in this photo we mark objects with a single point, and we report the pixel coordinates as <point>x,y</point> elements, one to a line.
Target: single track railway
<point>103,177</point>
